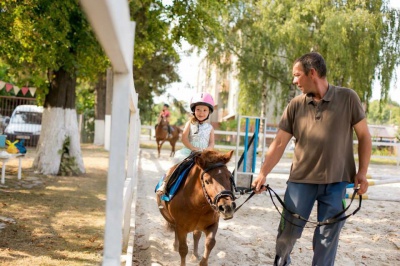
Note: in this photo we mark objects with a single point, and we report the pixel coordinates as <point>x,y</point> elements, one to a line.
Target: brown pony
<point>205,195</point>
<point>162,135</point>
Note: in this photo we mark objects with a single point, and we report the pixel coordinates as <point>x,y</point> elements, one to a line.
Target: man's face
<point>300,79</point>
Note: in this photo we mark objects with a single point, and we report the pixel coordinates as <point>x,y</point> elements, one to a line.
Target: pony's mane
<point>208,157</point>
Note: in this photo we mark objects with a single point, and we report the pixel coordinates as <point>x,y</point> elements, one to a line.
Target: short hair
<point>166,105</point>
<point>313,60</point>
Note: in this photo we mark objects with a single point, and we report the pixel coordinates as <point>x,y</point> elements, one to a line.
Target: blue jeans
<point>300,199</point>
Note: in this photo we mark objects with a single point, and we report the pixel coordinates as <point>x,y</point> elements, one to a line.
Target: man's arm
<point>272,157</point>
<point>364,155</point>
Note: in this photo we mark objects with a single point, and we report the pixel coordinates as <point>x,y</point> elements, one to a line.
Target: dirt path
<point>369,238</point>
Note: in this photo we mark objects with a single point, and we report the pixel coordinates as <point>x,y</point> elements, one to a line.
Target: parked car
<point>25,123</point>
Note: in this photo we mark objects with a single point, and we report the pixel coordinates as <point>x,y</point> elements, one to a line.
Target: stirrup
<point>162,189</point>
<point>160,192</point>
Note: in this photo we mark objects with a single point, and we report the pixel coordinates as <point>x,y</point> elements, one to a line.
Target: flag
<point>24,90</point>
<point>8,87</point>
<point>32,90</point>
<point>16,90</point>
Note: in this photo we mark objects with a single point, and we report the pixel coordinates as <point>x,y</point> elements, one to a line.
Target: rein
<point>223,193</point>
<point>334,219</point>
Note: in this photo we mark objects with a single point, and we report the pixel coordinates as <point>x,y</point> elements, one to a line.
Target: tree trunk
<point>100,109</point>
<point>59,126</point>
<point>264,103</point>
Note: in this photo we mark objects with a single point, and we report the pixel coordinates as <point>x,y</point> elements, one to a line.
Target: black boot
<point>278,261</point>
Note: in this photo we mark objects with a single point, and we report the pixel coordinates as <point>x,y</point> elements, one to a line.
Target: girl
<point>197,135</point>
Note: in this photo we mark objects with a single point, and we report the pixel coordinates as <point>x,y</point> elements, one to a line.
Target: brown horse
<point>205,195</point>
<point>162,135</point>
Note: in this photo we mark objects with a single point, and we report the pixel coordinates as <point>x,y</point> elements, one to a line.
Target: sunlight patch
<point>221,254</point>
<point>61,188</point>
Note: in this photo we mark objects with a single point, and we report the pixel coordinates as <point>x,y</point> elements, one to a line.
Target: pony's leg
<point>183,249</point>
<point>158,148</point>
<point>159,145</point>
<point>209,243</point>
<point>176,242</point>
<point>196,239</point>
<point>172,142</point>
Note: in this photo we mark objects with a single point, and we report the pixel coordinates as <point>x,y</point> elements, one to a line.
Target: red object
<point>8,87</point>
<point>165,113</point>
<point>24,90</point>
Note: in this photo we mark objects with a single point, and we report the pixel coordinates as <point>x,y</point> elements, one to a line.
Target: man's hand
<point>258,182</point>
<point>361,182</point>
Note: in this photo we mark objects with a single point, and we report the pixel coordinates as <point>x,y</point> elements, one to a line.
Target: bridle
<point>221,194</point>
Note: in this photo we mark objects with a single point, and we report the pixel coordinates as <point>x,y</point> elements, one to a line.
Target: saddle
<point>177,176</point>
<point>170,128</point>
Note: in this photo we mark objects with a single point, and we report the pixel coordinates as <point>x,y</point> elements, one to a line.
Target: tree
<point>155,58</point>
<point>50,45</point>
<point>160,29</point>
<point>360,41</point>
<point>388,114</point>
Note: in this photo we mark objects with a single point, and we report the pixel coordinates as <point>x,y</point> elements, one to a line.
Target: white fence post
<point>110,20</point>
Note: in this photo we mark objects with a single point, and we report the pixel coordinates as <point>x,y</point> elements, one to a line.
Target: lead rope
<point>242,192</point>
<point>334,219</point>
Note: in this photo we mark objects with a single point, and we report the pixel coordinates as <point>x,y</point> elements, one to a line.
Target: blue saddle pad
<point>174,188</point>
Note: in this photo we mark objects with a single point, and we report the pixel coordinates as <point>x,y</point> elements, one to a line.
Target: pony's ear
<point>227,157</point>
<point>200,161</point>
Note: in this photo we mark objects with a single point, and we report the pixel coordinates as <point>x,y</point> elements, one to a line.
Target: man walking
<point>322,121</point>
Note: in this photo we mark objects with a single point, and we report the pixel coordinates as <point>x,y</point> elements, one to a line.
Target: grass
<point>55,220</point>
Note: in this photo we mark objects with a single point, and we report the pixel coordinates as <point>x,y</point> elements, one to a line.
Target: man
<point>321,120</point>
<point>165,114</point>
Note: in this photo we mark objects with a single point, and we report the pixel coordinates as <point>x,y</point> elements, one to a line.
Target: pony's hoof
<point>194,258</point>
<point>203,262</point>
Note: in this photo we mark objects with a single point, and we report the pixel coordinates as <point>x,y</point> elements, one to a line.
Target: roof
<point>379,131</point>
<point>29,108</point>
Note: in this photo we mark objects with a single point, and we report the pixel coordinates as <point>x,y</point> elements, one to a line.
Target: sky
<point>187,69</point>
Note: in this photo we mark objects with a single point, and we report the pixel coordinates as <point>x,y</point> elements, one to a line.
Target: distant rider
<point>165,114</point>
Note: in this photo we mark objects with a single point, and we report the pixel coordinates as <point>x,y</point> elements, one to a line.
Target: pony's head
<point>217,181</point>
<point>163,120</point>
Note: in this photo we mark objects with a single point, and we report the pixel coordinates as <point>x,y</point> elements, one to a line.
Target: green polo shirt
<point>323,133</point>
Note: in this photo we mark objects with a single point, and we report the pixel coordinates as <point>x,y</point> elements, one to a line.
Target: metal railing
<point>147,136</point>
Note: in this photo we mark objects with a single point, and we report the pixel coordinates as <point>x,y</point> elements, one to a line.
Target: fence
<point>147,136</point>
<point>26,123</point>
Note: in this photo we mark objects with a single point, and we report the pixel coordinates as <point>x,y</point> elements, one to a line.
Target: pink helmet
<point>202,98</point>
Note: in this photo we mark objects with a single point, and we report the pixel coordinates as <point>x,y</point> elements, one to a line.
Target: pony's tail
<point>169,227</point>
